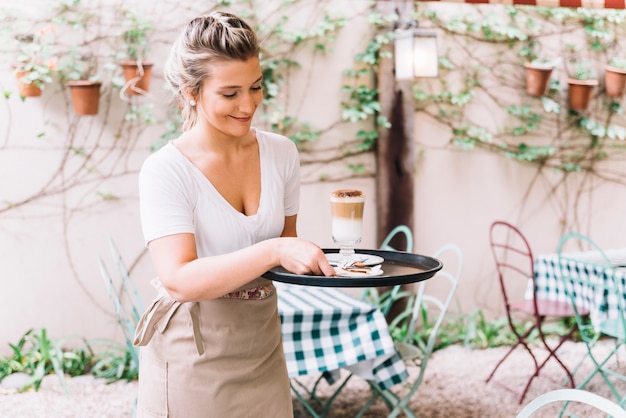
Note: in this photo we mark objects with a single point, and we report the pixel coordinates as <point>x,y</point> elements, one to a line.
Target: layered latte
<point>347,216</point>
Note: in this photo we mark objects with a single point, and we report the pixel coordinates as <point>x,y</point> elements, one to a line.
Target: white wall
<point>49,246</point>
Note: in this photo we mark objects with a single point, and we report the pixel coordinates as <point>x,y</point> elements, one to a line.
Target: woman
<point>218,209</point>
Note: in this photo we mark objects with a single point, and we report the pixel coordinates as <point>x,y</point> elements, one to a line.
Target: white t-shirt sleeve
<point>165,198</point>
<point>292,180</point>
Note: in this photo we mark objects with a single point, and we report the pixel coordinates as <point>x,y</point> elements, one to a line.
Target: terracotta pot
<point>580,92</point>
<point>614,81</point>
<point>26,90</point>
<point>137,79</point>
<point>85,96</point>
<point>537,79</point>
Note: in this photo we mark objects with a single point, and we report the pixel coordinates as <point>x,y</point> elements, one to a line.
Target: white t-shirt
<point>176,197</point>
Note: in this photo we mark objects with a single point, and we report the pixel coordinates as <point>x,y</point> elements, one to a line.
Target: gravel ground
<point>454,386</point>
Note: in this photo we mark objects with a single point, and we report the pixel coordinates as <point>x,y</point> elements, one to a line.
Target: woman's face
<point>229,98</point>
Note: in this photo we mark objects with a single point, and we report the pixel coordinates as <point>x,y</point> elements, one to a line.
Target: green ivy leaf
<point>357,168</point>
<point>550,105</point>
<point>616,132</point>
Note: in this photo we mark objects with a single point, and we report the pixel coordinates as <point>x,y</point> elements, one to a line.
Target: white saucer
<point>376,271</point>
<point>366,259</point>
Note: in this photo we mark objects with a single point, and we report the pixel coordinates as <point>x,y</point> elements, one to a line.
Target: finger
<point>326,268</point>
<point>315,270</point>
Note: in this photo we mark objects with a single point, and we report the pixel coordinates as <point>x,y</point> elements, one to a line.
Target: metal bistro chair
<point>514,263</point>
<point>308,397</point>
<point>572,395</point>
<point>587,280</point>
<point>415,349</point>
<point>386,300</point>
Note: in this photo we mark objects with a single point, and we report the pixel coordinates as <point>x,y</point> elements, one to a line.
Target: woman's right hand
<point>299,256</point>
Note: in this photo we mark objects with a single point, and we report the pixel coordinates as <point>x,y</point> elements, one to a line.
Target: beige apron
<point>219,358</point>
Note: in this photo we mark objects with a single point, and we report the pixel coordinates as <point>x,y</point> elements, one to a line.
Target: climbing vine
<point>574,141</point>
<point>480,96</point>
<point>483,52</point>
<point>87,157</point>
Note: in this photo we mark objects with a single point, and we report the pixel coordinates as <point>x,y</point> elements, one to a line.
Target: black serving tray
<point>398,268</point>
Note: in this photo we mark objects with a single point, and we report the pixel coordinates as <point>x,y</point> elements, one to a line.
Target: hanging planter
<point>614,81</point>
<point>35,63</point>
<point>582,83</point>
<point>85,96</point>
<point>537,78</point>
<point>26,89</point>
<point>580,92</point>
<point>137,75</point>
<point>136,47</point>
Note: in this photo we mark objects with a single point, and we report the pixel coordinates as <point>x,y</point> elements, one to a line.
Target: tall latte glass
<point>347,220</point>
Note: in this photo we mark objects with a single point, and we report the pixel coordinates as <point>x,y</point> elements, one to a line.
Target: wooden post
<point>395,155</point>
<point>395,152</point>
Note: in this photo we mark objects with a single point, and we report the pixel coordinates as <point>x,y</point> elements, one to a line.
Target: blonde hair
<point>218,36</point>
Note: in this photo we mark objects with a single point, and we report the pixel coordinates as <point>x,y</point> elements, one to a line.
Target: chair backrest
<point>426,300</point>
<point>514,259</point>
<point>425,303</point>
<point>573,395</point>
<point>400,229</point>
<point>386,300</point>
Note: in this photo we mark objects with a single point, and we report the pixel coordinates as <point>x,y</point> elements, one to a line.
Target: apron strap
<point>158,316</point>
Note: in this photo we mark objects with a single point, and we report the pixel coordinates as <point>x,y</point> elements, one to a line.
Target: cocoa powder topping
<point>347,193</point>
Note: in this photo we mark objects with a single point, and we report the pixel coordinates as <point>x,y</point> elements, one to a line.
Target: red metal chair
<point>515,266</point>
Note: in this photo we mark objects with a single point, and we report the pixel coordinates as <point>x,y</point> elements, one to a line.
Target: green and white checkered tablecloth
<point>325,329</point>
<point>601,303</point>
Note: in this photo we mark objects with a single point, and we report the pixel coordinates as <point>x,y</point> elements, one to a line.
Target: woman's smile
<point>242,119</point>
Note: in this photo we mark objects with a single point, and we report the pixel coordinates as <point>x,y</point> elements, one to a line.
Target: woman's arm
<point>289,230</point>
<point>189,278</point>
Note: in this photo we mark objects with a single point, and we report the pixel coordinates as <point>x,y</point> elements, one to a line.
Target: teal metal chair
<point>420,331</point>
<point>385,300</point>
<point>572,395</point>
<point>319,407</point>
<point>584,280</point>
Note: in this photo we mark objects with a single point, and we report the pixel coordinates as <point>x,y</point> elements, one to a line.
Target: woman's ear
<point>188,96</point>
<point>190,99</point>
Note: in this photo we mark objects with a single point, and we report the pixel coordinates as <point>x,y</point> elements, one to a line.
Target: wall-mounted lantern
<point>416,54</point>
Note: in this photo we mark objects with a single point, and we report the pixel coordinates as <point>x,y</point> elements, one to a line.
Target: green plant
<point>135,35</point>
<point>10,365</point>
<point>38,356</point>
<point>36,58</point>
<point>399,330</point>
<point>122,362</point>
<point>543,133</point>
<point>583,70</point>
<point>547,63</point>
<point>618,62</point>
<point>362,102</point>
<point>116,362</point>
<point>472,330</point>
<point>79,65</point>
<point>276,63</point>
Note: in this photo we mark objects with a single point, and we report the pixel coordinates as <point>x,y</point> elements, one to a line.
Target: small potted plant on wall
<point>615,77</point>
<point>582,82</point>
<point>36,63</point>
<point>538,73</point>
<point>79,73</point>
<point>134,36</point>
